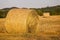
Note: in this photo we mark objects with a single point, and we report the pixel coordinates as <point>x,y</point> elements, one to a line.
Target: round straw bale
<point>21,21</point>
<point>46,14</point>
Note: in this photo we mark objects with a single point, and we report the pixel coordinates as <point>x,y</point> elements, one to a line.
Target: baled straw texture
<point>21,21</point>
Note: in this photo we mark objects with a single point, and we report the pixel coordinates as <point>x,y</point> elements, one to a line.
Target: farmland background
<point>48,29</point>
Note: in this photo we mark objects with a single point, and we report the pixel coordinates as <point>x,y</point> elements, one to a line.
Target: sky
<point>28,3</point>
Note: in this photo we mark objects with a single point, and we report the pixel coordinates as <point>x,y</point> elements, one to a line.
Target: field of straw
<point>2,25</point>
<point>48,29</point>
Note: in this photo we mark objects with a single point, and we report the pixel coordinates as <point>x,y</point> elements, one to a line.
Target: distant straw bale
<point>21,21</point>
<point>46,14</point>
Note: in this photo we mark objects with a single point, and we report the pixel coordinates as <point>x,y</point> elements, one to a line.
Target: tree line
<point>55,10</point>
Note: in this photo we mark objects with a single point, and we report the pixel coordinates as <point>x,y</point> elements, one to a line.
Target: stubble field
<point>48,29</point>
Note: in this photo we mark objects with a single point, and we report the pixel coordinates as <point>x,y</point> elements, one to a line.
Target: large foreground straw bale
<point>21,21</point>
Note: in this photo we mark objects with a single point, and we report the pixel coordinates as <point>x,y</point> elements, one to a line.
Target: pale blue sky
<point>28,3</point>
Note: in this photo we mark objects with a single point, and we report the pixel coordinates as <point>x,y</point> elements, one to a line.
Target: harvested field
<point>50,24</point>
<point>48,29</point>
<point>2,24</point>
